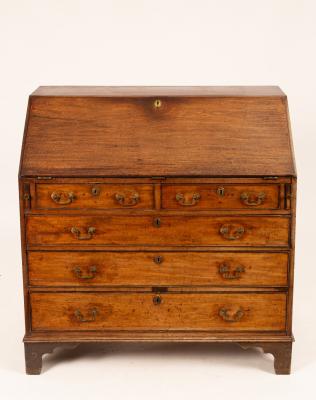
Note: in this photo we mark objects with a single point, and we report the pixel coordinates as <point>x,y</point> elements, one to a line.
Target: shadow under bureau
<point>162,214</point>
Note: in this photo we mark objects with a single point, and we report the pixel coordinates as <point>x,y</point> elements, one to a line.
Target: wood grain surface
<point>129,311</point>
<point>53,269</point>
<point>173,230</point>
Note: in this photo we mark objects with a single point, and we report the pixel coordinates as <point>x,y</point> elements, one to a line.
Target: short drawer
<point>172,311</point>
<point>163,230</point>
<point>226,196</point>
<point>177,268</point>
<point>94,196</point>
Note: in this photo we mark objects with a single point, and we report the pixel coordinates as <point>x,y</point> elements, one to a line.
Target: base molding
<point>279,347</point>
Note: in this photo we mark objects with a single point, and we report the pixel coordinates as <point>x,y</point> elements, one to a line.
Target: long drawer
<point>89,269</point>
<point>172,311</point>
<point>160,230</point>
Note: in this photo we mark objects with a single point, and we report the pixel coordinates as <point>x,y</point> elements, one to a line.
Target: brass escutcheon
<point>157,103</point>
<point>157,300</point>
<point>158,259</point>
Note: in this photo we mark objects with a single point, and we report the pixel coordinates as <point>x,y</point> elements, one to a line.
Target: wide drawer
<point>50,268</point>
<point>163,230</point>
<point>228,196</point>
<point>172,311</point>
<point>94,196</point>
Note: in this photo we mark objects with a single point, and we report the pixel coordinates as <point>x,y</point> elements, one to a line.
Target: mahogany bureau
<point>162,214</point>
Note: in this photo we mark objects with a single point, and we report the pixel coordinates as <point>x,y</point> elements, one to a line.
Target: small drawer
<point>85,311</point>
<point>94,196</point>
<point>89,269</point>
<point>220,197</point>
<point>163,231</point>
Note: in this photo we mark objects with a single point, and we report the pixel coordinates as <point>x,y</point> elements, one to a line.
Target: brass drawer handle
<point>224,270</point>
<point>232,232</point>
<point>228,316</point>
<point>127,199</point>
<point>252,199</point>
<point>183,200</point>
<point>157,300</point>
<point>92,273</point>
<point>77,233</point>
<point>81,318</point>
<point>158,259</point>
<point>63,198</point>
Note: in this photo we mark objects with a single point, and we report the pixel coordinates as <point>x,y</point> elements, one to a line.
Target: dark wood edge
<point>281,351</point>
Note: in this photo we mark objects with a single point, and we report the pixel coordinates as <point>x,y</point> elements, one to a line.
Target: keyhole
<point>95,191</point>
<point>157,103</point>
<point>157,300</point>
<point>157,222</point>
<point>221,191</point>
<point>158,259</point>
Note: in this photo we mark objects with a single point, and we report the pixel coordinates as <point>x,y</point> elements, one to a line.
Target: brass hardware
<point>158,259</point>
<point>232,232</point>
<point>270,177</point>
<point>158,177</point>
<point>91,275</point>
<point>81,318</point>
<point>44,177</point>
<point>27,195</point>
<point>252,199</point>
<point>227,316</point>
<point>287,196</point>
<point>184,201</point>
<point>224,270</point>
<point>76,232</point>
<point>157,103</point>
<point>157,300</point>
<point>221,191</point>
<point>157,222</point>
<point>95,191</point>
<point>63,198</point>
<point>127,199</point>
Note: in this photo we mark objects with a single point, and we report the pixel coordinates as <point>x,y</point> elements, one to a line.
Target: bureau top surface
<point>157,131</point>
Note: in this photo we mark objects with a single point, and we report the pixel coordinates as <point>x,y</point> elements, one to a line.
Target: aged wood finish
<point>51,268</point>
<point>158,214</point>
<point>220,197</point>
<point>172,311</point>
<point>94,196</point>
<point>160,230</point>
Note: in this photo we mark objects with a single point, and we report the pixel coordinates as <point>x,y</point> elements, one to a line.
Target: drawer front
<point>201,197</point>
<point>172,311</point>
<point>164,230</point>
<point>94,196</point>
<point>157,268</point>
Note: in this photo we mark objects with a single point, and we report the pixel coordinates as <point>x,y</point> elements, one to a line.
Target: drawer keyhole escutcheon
<point>229,316</point>
<point>63,198</point>
<point>80,275</point>
<point>81,236</point>
<point>157,103</point>
<point>225,270</point>
<point>80,317</point>
<point>232,232</point>
<point>158,259</point>
<point>157,300</point>
<point>221,191</point>
<point>157,222</point>
<point>95,191</point>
